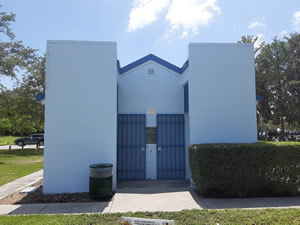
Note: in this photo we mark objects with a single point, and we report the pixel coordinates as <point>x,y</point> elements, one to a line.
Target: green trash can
<point>101,180</point>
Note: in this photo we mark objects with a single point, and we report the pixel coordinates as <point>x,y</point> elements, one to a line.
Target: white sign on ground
<point>142,221</point>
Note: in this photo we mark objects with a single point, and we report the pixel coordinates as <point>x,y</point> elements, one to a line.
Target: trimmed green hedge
<point>246,170</point>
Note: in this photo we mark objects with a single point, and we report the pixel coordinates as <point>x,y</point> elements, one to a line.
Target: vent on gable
<point>150,71</point>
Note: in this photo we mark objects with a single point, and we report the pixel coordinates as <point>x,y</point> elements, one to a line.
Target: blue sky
<point>161,27</point>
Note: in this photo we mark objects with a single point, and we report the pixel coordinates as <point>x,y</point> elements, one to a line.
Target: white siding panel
<point>222,93</point>
<point>80,126</point>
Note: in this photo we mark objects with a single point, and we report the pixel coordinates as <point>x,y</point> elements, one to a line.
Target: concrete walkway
<point>20,184</point>
<point>151,196</point>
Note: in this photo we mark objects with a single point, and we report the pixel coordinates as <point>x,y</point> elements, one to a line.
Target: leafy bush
<point>5,126</point>
<point>246,170</point>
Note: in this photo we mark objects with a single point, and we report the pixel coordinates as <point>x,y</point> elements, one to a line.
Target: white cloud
<point>189,15</point>
<point>259,40</point>
<point>257,23</point>
<point>145,12</point>
<point>183,35</point>
<point>296,20</point>
<point>283,33</point>
<point>185,16</point>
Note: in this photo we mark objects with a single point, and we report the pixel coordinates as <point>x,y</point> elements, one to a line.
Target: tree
<point>293,76</point>
<point>252,39</point>
<point>275,71</point>
<point>278,80</point>
<point>263,111</point>
<point>20,113</point>
<point>277,67</point>
<point>14,56</point>
<point>5,126</point>
<point>5,21</point>
<point>35,79</point>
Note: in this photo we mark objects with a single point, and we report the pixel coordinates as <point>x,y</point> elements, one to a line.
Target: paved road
<point>6,147</point>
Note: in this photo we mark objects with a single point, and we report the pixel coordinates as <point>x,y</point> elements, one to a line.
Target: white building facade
<point>141,117</point>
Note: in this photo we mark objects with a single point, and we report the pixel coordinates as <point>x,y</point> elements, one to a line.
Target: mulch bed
<point>38,197</point>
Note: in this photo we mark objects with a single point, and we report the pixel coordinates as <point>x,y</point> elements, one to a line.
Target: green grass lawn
<point>4,140</point>
<point>188,217</point>
<point>18,163</point>
<point>281,143</point>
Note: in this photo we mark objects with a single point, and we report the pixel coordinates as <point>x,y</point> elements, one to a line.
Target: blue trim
<point>259,98</point>
<point>155,59</point>
<point>185,66</point>
<point>40,97</point>
<point>186,98</point>
<point>119,67</point>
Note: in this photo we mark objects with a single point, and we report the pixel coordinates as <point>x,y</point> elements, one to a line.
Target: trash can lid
<point>101,165</point>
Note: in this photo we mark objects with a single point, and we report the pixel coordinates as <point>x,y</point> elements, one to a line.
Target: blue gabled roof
<point>155,59</point>
<point>259,98</point>
<point>40,97</point>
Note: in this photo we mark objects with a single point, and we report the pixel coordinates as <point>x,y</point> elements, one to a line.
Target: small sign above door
<point>150,111</point>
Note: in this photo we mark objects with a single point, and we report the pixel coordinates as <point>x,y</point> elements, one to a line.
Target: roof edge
<point>219,44</point>
<point>81,42</point>
<point>154,58</point>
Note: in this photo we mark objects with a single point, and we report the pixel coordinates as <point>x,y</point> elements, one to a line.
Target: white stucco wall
<point>139,91</point>
<point>81,113</point>
<point>222,93</point>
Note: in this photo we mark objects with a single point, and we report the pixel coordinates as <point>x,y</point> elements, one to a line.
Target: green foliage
<point>5,126</point>
<point>5,21</point>
<point>278,81</point>
<point>293,79</point>
<point>23,125</point>
<point>246,170</point>
<point>14,56</point>
<point>20,113</point>
<point>18,163</point>
<point>185,217</point>
<point>272,79</point>
<point>252,39</point>
<point>19,108</point>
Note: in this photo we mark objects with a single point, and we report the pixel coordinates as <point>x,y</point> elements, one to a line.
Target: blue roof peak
<point>155,59</point>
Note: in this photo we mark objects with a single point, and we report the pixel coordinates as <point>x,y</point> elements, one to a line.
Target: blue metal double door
<point>132,147</point>
<point>131,151</point>
<point>170,146</point>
